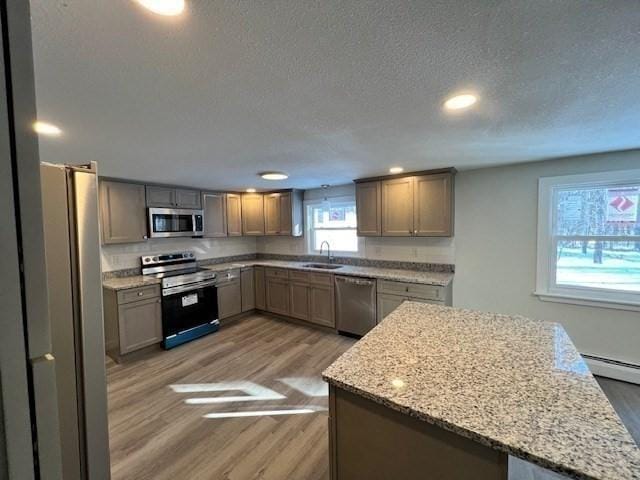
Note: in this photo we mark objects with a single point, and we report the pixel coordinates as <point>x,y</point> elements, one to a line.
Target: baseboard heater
<point>616,369</point>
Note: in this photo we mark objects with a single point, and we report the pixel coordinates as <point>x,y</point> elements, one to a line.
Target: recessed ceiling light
<point>48,129</point>
<point>168,8</point>
<point>251,190</point>
<point>396,170</point>
<point>274,175</point>
<point>459,102</point>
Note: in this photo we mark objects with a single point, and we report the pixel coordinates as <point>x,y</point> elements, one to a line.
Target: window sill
<point>587,302</point>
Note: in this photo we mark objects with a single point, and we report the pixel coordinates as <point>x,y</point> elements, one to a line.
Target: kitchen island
<point>438,392</point>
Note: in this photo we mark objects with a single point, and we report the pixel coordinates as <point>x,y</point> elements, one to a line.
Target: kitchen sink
<point>326,266</point>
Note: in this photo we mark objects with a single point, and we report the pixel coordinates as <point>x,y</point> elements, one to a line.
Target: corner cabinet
<point>418,205</point>
<point>123,216</point>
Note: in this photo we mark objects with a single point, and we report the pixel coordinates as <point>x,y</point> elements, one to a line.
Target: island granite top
<point>513,384</point>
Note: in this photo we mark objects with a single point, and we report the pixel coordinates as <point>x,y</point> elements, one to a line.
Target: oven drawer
<point>140,293</point>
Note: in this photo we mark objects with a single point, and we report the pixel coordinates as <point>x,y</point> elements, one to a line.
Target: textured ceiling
<point>332,90</point>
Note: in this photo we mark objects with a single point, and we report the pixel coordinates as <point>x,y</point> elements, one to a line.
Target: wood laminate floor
<point>168,418</point>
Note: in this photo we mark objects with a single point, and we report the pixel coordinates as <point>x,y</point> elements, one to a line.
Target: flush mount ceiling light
<point>396,170</point>
<point>251,190</point>
<point>48,129</point>
<point>460,102</point>
<point>274,175</point>
<point>168,8</point>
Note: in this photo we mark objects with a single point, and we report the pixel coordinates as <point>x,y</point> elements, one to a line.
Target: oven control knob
<point>191,255</point>
<point>155,259</point>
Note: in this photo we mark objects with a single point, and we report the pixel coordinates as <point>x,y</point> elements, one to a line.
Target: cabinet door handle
<point>144,237</point>
<point>140,294</point>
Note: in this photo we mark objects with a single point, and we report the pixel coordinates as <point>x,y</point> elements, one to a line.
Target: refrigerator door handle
<point>46,405</point>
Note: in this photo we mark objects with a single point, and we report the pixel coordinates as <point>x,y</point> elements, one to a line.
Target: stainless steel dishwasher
<point>355,305</point>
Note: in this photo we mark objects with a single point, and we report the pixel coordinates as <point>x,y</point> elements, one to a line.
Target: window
<point>589,239</point>
<point>333,221</point>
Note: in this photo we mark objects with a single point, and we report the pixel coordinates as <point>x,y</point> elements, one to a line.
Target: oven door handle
<point>188,288</point>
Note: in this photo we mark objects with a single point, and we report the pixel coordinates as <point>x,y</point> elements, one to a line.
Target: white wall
<point>496,225</point>
<point>118,257</point>
<point>424,250</point>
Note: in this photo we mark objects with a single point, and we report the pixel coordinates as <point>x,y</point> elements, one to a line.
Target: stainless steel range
<point>189,296</point>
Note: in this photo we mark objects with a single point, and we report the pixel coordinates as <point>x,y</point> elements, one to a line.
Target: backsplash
<point>397,249</point>
<point>127,256</point>
<point>364,262</point>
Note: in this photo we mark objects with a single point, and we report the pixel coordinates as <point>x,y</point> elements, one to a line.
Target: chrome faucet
<point>329,257</point>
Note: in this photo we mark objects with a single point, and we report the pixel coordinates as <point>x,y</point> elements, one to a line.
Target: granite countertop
<point>513,384</point>
<point>122,283</point>
<point>412,276</point>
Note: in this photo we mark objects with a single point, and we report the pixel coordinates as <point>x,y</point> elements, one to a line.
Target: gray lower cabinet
<point>387,304</point>
<point>260,288</point>
<point>247,283</point>
<point>277,291</point>
<point>311,297</point>
<point>299,295</point>
<point>391,294</point>
<point>230,295</point>
<point>322,306</point>
<point>123,216</point>
<point>133,319</point>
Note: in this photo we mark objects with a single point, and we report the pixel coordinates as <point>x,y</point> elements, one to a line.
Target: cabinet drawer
<point>321,278</point>
<point>277,272</point>
<point>297,276</point>
<point>426,292</point>
<point>229,276</point>
<point>141,293</point>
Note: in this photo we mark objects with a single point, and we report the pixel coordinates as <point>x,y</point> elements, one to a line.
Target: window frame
<point>546,287</point>
<point>308,206</point>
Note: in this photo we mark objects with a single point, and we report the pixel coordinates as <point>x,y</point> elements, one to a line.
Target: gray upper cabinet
<point>433,205</point>
<point>272,214</point>
<point>163,197</point>
<point>188,198</point>
<point>420,205</point>
<point>123,216</point>
<point>215,214</point>
<point>397,207</point>
<point>253,214</point>
<point>234,215</point>
<point>169,197</point>
<point>368,200</point>
<point>283,213</point>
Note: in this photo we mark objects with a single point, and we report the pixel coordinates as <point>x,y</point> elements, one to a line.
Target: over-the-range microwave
<point>173,222</point>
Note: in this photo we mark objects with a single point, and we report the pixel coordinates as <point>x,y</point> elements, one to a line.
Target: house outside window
<point>332,220</point>
<point>589,239</point>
